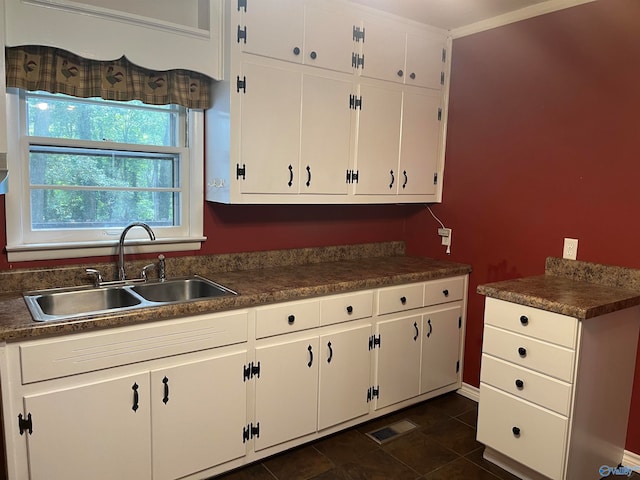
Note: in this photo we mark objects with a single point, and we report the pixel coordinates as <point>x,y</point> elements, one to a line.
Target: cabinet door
<point>440,348</point>
<point>91,431</point>
<point>274,28</point>
<point>326,133</point>
<point>270,125</point>
<point>328,37</point>
<point>286,391</point>
<point>344,376</point>
<point>378,144</point>
<point>398,360</point>
<point>420,143</point>
<point>198,412</point>
<point>425,62</point>
<point>383,49</point>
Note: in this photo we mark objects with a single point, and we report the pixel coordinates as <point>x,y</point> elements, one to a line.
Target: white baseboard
<point>631,459</point>
<point>469,391</point>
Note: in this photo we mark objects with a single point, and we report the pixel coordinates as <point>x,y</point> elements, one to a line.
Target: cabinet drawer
<point>440,291</point>
<point>548,326</point>
<point>86,352</point>
<point>341,308</point>
<point>403,297</point>
<point>527,384</point>
<point>287,317</point>
<point>540,444</point>
<point>530,353</point>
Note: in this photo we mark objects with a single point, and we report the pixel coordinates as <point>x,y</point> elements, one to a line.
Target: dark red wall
<point>543,143</point>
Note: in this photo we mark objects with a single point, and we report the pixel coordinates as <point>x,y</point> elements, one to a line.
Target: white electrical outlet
<point>570,250</point>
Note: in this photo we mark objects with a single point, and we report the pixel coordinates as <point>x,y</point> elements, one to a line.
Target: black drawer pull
<point>403,300</point>
<point>445,292</point>
<point>310,356</point>
<point>349,309</point>
<point>330,353</point>
<point>291,319</point>
<point>522,351</point>
<point>516,431</point>
<point>296,50</point>
<point>136,402</point>
<point>415,325</point>
<point>313,55</point>
<point>519,383</point>
<point>524,320</point>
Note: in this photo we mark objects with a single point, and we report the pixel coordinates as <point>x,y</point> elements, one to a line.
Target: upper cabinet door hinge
<point>355,103</point>
<point>439,114</point>
<point>444,55</point>
<point>441,78</point>
<point>357,60</point>
<point>457,366</point>
<point>374,342</point>
<point>352,176</point>
<point>373,392</point>
<point>242,4</point>
<point>459,322</point>
<point>358,34</point>
<point>241,171</point>
<point>250,371</point>
<point>435,178</point>
<point>242,34</point>
<point>24,424</point>
<point>241,84</point>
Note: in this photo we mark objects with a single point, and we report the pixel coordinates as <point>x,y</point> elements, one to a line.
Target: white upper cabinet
<point>398,52</point>
<point>299,32</point>
<point>3,100</point>
<point>155,34</point>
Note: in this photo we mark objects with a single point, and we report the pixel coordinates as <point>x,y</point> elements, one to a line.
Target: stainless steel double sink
<point>68,303</point>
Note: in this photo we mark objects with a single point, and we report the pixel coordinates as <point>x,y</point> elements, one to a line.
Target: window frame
<point>25,244</point>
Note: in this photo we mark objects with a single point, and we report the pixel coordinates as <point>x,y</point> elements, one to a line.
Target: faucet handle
<point>143,274</point>
<point>97,276</point>
<point>162,273</point>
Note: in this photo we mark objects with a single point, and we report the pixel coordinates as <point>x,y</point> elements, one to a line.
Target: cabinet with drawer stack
<point>543,376</point>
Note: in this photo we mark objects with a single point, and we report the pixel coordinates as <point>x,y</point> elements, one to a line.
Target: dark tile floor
<point>442,448</point>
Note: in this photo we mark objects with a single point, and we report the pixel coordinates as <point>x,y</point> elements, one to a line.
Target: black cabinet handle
<point>310,357</point>
<point>524,320</point>
<point>519,383</point>
<point>135,397</point>
<point>522,351</point>
<point>445,292</point>
<point>403,300</point>
<point>406,179</point>
<point>393,179</point>
<point>165,399</point>
<point>430,328</point>
<point>296,50</point>
<point>349,309</point>
<point>330,353</point>
<point>516,431</point>
<point>412,76</point>
<point>308,175</point>
<point>313,55</point>
<point>400,73</point>
<point>291,319</point>
<point>290,183</point>
<point>415,325</point>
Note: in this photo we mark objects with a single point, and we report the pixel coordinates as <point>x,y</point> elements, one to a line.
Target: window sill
<point>26,253</point>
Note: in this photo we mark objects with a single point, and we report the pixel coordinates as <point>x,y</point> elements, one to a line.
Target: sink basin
<point>59,304</point>
<point>49,305</point>
<point>180,290</point>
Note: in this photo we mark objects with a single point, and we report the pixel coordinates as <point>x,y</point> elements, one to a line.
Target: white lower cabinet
<point>286,390</point>
<point>546,380</point>
<point>99,430</point>
<point>191,398</point>
<point>197,413</point>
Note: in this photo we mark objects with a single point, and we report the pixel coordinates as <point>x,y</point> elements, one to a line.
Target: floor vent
<point>388,433</point>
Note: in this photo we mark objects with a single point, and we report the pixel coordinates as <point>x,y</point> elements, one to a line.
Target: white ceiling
<point>449,14</point>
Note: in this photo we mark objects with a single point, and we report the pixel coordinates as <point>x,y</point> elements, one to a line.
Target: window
<point>82,169</point>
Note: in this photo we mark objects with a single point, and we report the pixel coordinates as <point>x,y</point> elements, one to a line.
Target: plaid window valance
<point>57,71</point>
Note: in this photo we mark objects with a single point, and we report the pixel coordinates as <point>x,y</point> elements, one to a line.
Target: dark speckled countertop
<point>259,278</point>
<point>574,288</point>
